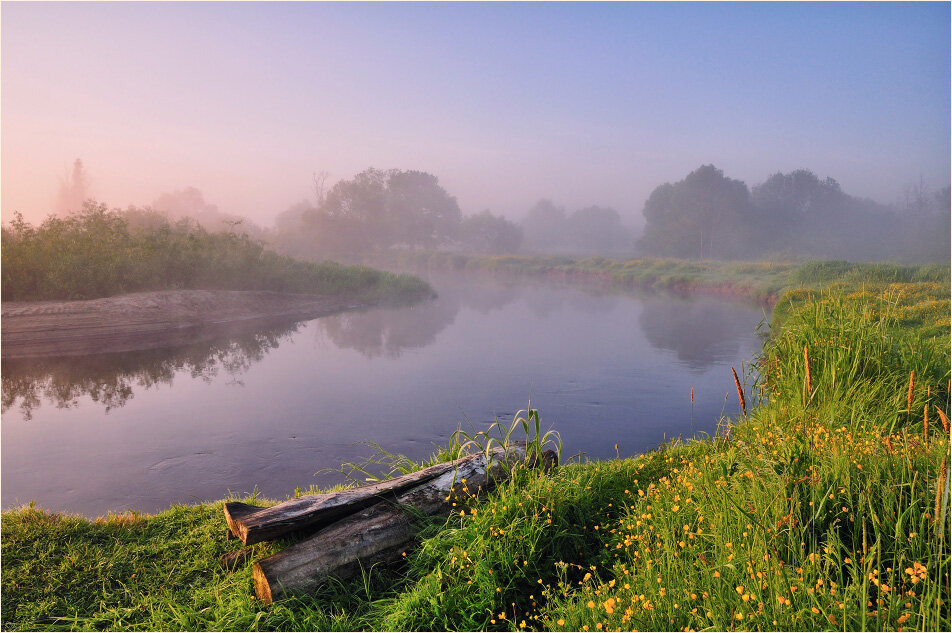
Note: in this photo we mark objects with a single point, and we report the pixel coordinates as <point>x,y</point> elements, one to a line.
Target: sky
<point>582,103</point>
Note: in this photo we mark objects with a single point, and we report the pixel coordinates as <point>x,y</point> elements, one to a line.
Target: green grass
<point>825,508</point>
<point>762,281</point>
<point>96,253</point>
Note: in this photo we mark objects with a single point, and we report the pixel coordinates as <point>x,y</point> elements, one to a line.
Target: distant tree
<point>702,216</point>
<point>544,228</point>
<point>421,211</point>
<point>381,209</point>
<point>190,203</point>
<point>73,190</point>
<point>925,224</point>
<point>598,230</point>
<point>488,233</point>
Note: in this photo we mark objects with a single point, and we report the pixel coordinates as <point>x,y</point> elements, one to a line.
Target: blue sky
<point>584,103</point>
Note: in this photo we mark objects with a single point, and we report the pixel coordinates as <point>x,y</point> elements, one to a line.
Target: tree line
<point>710,216</point>
<point>384,209</point>
<point>706,215</point>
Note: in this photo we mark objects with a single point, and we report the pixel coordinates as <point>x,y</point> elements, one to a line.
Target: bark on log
<point>377,534</point>
<point>252,524</point>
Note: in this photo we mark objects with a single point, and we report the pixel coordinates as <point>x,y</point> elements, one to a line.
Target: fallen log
<point>377,534</point>
<point>252,524</point>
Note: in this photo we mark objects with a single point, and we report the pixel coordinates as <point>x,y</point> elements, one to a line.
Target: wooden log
<point>233,560</point>
<point>377,534</point>
<point>252,524</point>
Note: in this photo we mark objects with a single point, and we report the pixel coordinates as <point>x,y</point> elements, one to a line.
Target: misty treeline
<point>710,216</point>
<point>385,209</point>
<point>382,209</point>
<point>704,216</point>
<point>98,252</point>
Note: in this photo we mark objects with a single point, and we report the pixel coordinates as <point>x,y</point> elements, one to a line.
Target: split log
<point>377,534</point>
<point>252,524</point>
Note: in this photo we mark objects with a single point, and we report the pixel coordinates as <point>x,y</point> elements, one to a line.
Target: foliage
<point>488,233</point>
<point>379,209</point>
<point>707,215</point>
<point>592,229</point>
<point>95,253</point>
<point>698,217</point>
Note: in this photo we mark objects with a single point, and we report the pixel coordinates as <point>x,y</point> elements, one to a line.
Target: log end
<point>235,511</point>
<point>262,585</point>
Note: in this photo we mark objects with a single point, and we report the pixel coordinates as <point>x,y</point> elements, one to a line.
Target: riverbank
<point>151,320</point>
<point>762,282</point>
<point>825,506</point>
<point>757,281</point>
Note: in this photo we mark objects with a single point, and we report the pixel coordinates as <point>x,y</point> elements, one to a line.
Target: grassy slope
<point>815,512</point>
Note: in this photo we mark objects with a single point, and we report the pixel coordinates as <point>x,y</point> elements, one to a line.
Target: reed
<point>912,388</point>
<point>806,362</point>
<point>939,489</point>
<point>943,419</point>
<point>740,393</point>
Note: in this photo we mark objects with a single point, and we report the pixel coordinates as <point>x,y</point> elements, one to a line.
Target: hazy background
<point>583,104</point>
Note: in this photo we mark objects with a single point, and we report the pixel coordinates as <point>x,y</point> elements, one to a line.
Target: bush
<point>95,253</point>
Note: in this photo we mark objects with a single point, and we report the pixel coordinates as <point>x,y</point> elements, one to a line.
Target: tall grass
<point>95,253</point>
<point>827,507</point>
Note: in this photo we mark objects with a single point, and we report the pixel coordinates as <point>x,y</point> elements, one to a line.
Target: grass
<point>96,253</point>
<point>825,507</point>
<point>762,281</point>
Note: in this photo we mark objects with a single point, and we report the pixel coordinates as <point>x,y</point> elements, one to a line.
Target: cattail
<point>692,395</point>
<point>943,418</point>
<point>740,393</point>
<point>889,445</point>
<point>806,360</point>
<point>912,387</point>
<point>925,424</point>
<point>939,488</point>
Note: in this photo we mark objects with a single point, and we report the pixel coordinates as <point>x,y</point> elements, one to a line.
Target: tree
<point>381,209</point>
<point>598,230</point>
<point>702,216</point>
<point>543,228</point>
<point>420,210</point>
<point>73,190</point>
<point>488,233</point>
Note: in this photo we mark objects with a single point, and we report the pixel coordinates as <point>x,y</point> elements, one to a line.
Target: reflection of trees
<point>111,379</point>
<point>700,332</point>
<point>383,332</point>
<point>388,332</point>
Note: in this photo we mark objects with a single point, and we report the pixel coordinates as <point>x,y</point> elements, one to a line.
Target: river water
<point>273,410</point>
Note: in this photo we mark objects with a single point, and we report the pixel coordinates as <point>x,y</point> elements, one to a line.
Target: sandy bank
<point>148,320</point>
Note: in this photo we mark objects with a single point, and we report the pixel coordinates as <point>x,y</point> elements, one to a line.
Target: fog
<point>559,121</point>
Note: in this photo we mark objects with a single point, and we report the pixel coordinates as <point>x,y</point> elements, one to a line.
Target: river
<point>274,410</point>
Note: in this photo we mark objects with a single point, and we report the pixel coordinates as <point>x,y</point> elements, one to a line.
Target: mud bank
<point>149,320</point>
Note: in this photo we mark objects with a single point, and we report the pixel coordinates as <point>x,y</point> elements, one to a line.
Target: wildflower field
<point>824,507</point>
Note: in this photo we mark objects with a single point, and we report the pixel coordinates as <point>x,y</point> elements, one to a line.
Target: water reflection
<point>700,332</point>
<point>389,333</point>
<point>111,379</point>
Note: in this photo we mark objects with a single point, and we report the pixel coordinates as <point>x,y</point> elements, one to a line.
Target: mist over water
<point>270,411</point>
